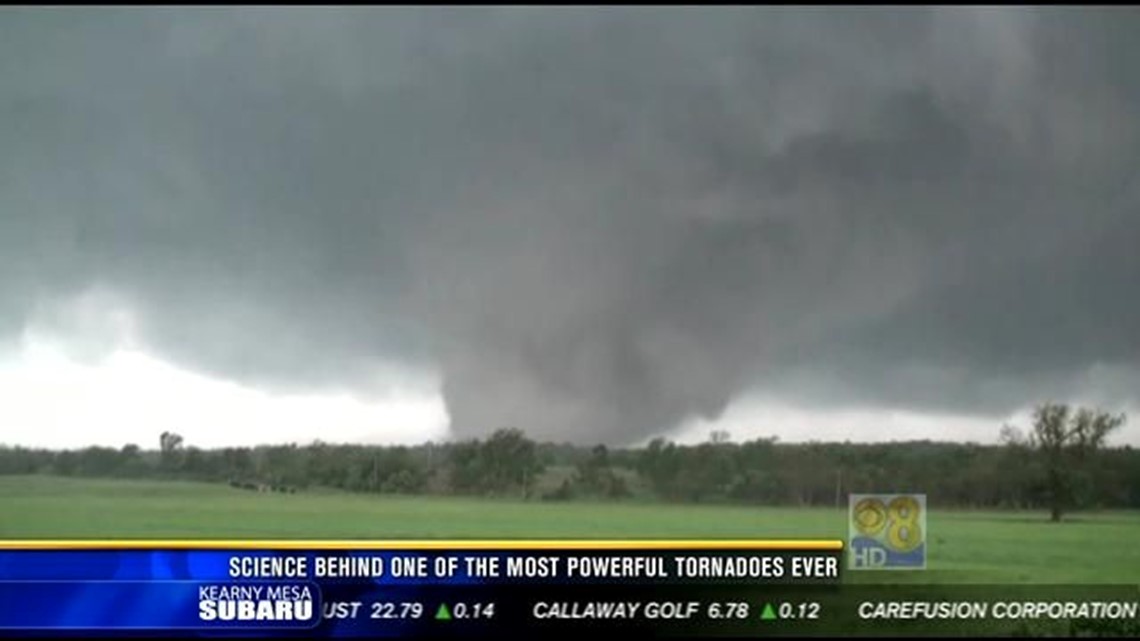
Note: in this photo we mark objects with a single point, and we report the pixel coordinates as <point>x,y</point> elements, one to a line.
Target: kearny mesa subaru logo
<point>255,603</point>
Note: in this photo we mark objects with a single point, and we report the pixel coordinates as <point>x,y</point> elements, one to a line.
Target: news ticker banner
<point>497,588</point>
<point>351,588</point>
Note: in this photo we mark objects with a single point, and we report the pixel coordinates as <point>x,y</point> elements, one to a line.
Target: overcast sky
<point>389,225</point>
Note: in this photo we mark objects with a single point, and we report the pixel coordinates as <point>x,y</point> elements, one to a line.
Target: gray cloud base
<point>590,223</point>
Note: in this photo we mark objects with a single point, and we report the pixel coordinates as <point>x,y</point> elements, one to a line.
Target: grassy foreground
<point>965,547</point>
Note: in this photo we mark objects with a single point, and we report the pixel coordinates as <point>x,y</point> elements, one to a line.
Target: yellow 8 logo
<point>905,534</point>
<point>870,516</point>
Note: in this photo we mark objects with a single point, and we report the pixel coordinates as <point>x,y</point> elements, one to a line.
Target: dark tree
<point>169,444</point>
<point>1065,442</point>
<point>509,462</point>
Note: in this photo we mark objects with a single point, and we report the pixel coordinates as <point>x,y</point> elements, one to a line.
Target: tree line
<point>1059,464</point>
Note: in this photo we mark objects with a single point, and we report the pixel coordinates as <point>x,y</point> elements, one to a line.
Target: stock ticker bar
<point>389,588</point>
<point>496,588</point>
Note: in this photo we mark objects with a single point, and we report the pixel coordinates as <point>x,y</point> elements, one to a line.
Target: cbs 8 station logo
<point>887,531</point>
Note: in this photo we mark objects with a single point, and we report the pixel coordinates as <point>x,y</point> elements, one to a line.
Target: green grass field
<point>965,547</point>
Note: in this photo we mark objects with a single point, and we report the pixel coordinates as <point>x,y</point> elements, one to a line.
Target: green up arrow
<point>443,614</point>
<point>769,613</point>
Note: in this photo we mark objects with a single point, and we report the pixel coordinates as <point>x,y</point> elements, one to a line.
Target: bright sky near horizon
<point>55,401</point>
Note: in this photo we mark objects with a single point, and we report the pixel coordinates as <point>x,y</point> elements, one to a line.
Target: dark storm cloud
<point>590,223</point>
